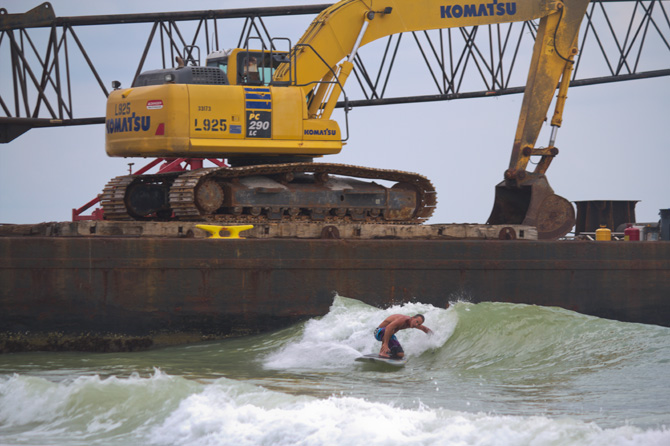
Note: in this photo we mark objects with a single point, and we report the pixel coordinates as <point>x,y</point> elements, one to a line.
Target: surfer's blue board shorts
<point>394,344</point>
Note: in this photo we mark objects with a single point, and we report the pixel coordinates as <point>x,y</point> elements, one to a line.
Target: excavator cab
<point>247,67</point>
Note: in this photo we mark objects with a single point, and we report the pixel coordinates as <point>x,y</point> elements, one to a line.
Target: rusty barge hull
<point>124,293</point>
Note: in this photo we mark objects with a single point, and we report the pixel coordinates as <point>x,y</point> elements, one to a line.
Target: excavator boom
<point>526,197</point>
<point>334,32</point>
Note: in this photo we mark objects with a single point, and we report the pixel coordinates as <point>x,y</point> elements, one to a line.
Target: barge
<point>106,286</point>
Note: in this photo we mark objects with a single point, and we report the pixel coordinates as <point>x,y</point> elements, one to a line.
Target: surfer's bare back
<point>386,331</point>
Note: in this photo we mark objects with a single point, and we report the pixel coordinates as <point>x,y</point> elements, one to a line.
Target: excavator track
<point>199,195</point>
<point>113,198</point>
<point>149,202</point>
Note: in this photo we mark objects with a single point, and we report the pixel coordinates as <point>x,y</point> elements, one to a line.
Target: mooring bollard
<point>215,230</point>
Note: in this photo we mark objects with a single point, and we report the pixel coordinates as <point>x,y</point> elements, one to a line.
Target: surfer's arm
<point>387,337</point>
<point>425,329</point>
<point>391,329</point>
<point>388,333</point>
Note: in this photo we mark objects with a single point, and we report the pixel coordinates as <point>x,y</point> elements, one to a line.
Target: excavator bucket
<point>534,203</point>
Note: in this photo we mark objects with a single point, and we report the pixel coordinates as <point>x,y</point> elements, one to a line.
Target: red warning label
<point>155,104</point>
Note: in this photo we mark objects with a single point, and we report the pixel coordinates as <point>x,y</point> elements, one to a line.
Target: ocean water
<point>491,374</point>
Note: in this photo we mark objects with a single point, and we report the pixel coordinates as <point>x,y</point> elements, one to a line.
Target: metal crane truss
<point>43,58</point>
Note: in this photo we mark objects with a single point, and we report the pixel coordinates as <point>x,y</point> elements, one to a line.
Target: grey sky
<point>614,142</point>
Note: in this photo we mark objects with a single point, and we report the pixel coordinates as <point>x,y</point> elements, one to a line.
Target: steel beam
<point>461,63</point>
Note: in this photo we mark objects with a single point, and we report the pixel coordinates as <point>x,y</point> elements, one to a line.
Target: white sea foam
<point>215,417</point>
<point>38,411</point>
<point>346,332</point>
<point>165,410</point>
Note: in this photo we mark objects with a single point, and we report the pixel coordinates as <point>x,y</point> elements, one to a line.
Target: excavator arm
<point>337,33</point>
<point>526,197</point>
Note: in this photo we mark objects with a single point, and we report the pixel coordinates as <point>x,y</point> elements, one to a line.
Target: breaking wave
<point>492,373</point>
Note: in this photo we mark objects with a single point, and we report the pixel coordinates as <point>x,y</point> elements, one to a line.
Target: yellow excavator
<point>268,112</point>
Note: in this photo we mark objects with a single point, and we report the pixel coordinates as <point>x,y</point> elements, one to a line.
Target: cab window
<point>255,68</point>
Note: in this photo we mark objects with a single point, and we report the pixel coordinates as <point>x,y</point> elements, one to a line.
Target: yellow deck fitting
<point>215,230</point>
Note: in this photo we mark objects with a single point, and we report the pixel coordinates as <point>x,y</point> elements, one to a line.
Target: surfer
<point>386,331</point>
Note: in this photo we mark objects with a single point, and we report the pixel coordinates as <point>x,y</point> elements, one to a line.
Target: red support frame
<point>170,165</point>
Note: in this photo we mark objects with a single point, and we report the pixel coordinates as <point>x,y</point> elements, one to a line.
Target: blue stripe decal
<point>263,97</point>
<point>257,105</point>
<point>267,90</point>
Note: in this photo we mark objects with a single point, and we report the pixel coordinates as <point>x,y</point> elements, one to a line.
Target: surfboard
<point>375,358</point>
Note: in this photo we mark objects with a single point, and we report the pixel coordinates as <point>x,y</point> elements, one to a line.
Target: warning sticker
<point>155,104</point>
